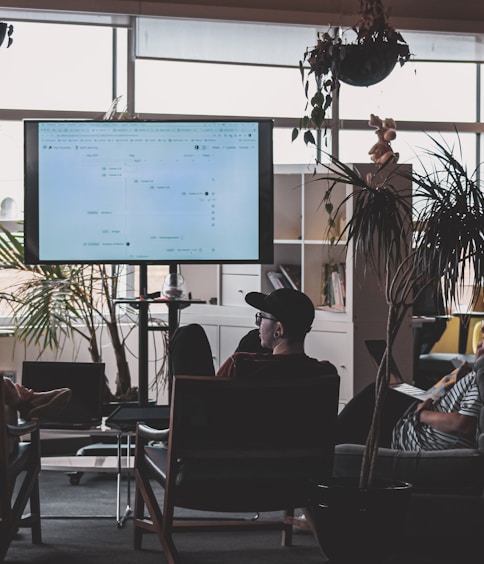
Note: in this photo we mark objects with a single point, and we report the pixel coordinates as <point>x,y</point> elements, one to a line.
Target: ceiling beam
<point>465,16</point>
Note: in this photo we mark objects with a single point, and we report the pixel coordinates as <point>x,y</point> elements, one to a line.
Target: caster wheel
<point>75,478</point>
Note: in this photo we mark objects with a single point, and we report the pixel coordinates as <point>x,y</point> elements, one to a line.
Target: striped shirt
<point>463,397</point>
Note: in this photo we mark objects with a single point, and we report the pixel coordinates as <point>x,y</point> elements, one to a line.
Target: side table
<point>78,464</point>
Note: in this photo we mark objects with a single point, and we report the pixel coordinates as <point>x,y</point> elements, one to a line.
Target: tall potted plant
<point>446,243</point>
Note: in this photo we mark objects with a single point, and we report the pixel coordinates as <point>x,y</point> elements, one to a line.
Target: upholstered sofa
<point>447,500</point>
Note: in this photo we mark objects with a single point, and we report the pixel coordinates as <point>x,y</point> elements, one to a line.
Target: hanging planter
<point>366,64</point>
<point>365,61</point>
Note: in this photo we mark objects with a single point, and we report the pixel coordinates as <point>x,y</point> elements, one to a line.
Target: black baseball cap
<point>292,308</point>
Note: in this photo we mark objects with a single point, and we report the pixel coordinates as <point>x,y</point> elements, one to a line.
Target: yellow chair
<point>477,334</point>
<point>449,342</point>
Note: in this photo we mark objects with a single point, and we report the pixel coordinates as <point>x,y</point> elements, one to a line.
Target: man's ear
<point>279,329</point>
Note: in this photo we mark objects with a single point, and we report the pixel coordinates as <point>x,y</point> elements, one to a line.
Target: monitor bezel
<point>266,197</point>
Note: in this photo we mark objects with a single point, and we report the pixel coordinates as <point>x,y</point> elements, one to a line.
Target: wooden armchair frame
<point>19,483</point>
<point>235,446</point>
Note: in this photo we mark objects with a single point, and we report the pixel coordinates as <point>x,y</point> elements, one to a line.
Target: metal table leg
<point>121,520</point>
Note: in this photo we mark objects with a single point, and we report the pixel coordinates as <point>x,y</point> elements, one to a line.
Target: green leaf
<point>309,138</point>
<point>295,133</point>
<point>318,99</point>
<point>317,116</point>
<point>301,70</point>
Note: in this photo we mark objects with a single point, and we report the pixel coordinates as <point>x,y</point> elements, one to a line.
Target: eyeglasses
<point>259,316</point>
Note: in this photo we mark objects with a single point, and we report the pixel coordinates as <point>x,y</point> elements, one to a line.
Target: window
<point>57,67</point>
<point>75,69</point>
<point>417,92</point>
<point>174,87</point>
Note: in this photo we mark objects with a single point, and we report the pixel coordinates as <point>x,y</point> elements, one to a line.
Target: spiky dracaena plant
<point>432,242</point>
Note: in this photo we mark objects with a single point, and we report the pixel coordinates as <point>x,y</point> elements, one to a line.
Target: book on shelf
<point>277,280</point>
<point>292,272</point>
<point>333,287</point>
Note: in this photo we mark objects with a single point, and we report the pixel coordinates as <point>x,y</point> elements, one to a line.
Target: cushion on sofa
<point>453,471</point>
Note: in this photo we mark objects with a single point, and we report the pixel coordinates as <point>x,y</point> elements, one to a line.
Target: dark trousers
<point>354,419</point>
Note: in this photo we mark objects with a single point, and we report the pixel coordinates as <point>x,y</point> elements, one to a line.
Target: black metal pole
<point>172,325</point>
<point>143,337</point>
<point>172,308</point>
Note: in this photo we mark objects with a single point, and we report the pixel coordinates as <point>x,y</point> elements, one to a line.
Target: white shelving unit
<point>301,238</point>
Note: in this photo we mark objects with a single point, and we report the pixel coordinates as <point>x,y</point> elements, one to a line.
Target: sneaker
<point>47,405</point>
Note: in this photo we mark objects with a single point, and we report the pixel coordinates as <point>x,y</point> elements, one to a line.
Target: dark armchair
<point>19,484</point>
<point>235,446</point>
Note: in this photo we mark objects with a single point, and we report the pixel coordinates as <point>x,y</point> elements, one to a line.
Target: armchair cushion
<point>205,480</point>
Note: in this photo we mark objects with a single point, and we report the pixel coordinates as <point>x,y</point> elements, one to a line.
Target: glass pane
<point>204,40</point>
<point>287,151</point>
<point>122,64</point>
<point>411,147</point>
<point>416,92</point>
<point>57,67</point>
<point>12,170</point>
<point>445,46</point>
<point>170,87</point>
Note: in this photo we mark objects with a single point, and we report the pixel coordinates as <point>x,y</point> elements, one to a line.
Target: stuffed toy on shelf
<point>382,152</point>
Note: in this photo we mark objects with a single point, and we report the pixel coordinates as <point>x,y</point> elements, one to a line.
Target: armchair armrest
<point>151,434</point>
<point>24,428</point>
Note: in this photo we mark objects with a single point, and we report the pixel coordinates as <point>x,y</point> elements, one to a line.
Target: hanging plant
<point>367,60</point>
<point>6,31</point>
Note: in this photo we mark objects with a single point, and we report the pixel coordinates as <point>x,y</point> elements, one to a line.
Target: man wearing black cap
<point>284,318</point>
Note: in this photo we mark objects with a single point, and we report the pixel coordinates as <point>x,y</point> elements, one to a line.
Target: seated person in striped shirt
<point>445,423</point>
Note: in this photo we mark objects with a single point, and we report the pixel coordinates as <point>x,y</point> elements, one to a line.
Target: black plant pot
<point>367,64</point>
<point>355,525</point>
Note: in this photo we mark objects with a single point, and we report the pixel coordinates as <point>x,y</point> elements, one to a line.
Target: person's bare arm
<point>455,423</point>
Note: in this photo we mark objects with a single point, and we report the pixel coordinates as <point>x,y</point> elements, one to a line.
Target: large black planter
<point>367,64</point>
<point>355,525</point>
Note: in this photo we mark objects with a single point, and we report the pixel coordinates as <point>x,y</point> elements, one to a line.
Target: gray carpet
<point>96,539</point>
<point>79,527</point>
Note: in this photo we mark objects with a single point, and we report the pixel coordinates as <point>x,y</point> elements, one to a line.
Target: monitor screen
<point>153,192</point>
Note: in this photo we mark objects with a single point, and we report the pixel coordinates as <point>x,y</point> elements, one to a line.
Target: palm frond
<point>380,223</point>
<point>449,239</point>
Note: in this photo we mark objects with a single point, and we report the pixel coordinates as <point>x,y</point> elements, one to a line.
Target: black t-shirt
<point>277,366</point>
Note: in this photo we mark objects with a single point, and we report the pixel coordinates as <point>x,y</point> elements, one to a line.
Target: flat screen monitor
<point>153,192</point>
